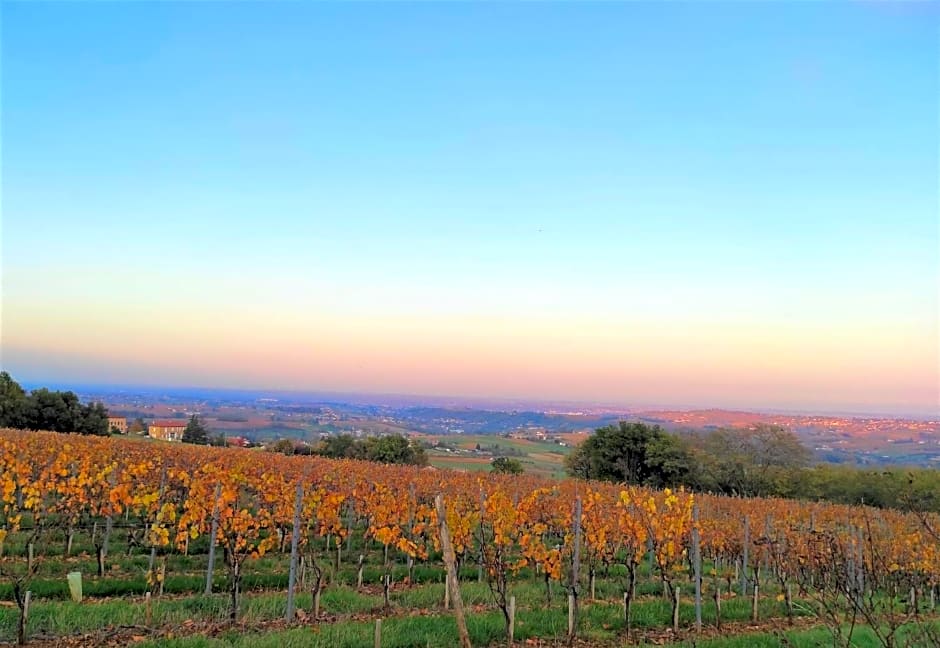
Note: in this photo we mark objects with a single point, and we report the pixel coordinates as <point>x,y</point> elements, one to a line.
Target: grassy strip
<point>137,585</point>
<point>185,574</point>
<point>862,637</point>
<point>605,618</point>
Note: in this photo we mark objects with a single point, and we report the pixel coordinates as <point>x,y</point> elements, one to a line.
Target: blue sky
<point>720,169</point>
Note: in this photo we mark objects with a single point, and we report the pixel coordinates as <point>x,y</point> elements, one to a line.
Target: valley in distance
<point>467,433</point>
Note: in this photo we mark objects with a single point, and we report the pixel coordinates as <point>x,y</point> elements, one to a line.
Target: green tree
<point>507,465</point>
<point>93,419</point>
<point>395,449</point>
<point>669,461</point>
<point>44,409</point>
<point>13,403</point>
<point>633,453</point>
<point>283,446</point>
<point>758,461</point>
<point>49,410</point>
<point>196,432</point>
<point>341,446</point>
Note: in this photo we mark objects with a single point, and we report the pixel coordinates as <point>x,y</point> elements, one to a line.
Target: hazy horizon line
<point>455,400</point>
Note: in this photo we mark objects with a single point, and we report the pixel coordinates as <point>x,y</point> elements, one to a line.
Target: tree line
<point>44,409</point>
<point>762,461</point>
<point>388,449</point>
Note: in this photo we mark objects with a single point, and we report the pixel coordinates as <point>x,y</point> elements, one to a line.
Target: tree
<point>756,461</point>
<point>669,461</point>
<point>13,402</point>
<point>196,432</point>
<point>53,410</point>
<point>507,466</point>
<point>93,419</point>
<point>137,427</point>
<point>390,449</point>
<point>395,449</point>
<point>44,409</point>
<point>633,453</point>
<point>283,446</point>
<point>341,446</point>
<point>578,464</point>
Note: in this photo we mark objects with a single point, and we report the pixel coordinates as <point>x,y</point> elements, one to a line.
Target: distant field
<point>573,438</point>
<point>537,457</point>
<point>459,463</point>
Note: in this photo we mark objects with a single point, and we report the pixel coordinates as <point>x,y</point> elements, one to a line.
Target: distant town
<point>249,418</point>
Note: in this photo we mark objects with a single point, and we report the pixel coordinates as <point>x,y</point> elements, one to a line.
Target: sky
<point>705,204</point>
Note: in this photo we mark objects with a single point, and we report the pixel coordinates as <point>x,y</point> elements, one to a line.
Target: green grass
<point>416,617</point>
<point>128,585</point>
<point>488,629</point>
<point>862,637</point>
<point>601,620</point>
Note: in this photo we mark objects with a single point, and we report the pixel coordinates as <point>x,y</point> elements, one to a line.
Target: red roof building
<point>171,430</point>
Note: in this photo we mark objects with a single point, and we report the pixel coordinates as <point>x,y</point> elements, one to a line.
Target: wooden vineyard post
<point>212,538</point>
<point>861,562</point>
<point>480,562</point>
<point>744,561</point>
<point>718,606</point>
<point>26,602</point>
<point>675,612</point>
<point>572,603</point>
<point>575,566</point>
<point>153,560</point>
<point>512,619</point>
<point>359,573</point>
<point>446,591</point>
<point>450,563</point>
<point>108,525</point>
<point>626,612</point>
<point>148,609</point>
<point>697,562</point>
<point>754,614</point>
<point>294,545</point>
<point>349,527</point>
<point>100,555</point>
<point>378,634</point>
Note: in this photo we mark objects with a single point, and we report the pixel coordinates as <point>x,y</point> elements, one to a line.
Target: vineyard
<point>195,546</point>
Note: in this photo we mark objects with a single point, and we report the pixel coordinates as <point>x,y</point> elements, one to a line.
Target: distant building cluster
<point>167,430</point>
